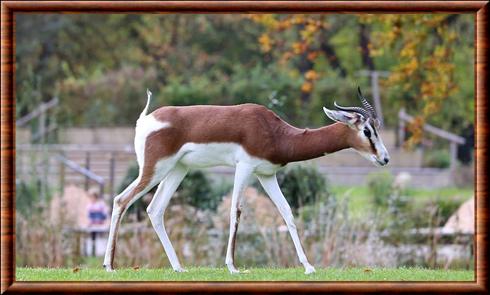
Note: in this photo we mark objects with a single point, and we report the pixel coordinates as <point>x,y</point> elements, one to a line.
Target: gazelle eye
<point>367,133</point>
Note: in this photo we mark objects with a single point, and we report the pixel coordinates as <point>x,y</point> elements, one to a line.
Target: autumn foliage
<point>423,44</point>
<point>100,65</point>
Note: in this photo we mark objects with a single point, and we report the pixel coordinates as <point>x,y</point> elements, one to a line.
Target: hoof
<point>233,269</point>
<point>108,268</point>
<point>180,269</point>
<point>309,269</point>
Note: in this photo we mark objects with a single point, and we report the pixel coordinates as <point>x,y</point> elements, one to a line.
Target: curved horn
<point>366,104</point>
<point>353,109</point>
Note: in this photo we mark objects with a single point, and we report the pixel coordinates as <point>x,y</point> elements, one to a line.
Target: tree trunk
<point>331,55</point>
<point>367,61</point>
<point>304,66</point>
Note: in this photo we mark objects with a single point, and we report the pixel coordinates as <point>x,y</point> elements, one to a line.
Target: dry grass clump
<point>330,237</point>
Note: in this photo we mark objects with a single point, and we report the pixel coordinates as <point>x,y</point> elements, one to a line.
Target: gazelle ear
<point>351,119</point>
<point>377,123</point>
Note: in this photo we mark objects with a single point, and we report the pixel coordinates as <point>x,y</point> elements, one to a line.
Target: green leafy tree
<point>100,65</point>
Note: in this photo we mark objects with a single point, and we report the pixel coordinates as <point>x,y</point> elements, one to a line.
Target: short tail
<point>145,110</point>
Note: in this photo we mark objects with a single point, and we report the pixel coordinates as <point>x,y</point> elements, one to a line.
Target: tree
<point>302,43</point>
<point>422,52</point>
<point>423,77</point>
<point>100,65</point>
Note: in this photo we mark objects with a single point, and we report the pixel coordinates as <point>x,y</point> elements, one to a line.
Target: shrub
<point>41,240</point>
<point>437,159</point>
<point>196,190</point>
<point>446,207</point>
<point>32,195</point>
<point>130,176</point>
<point>380,186</point>
<point>464,176</point>
<point>302,186</point>
<point>198,90</point>
<point>27,194</point>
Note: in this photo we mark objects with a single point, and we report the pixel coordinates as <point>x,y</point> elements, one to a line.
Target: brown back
<point>257,129</point>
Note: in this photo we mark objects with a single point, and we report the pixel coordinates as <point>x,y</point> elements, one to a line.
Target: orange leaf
<point>307,87</point>
<point>311,75</point>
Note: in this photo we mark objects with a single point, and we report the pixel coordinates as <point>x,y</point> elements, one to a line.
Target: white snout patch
<point>370,157</point>
<point>144,127</point>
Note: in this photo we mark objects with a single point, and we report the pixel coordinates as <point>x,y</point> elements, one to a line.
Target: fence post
<point>62,177</point>
<point>376,94</point>
<point>77,259</point>
<point>102,190</point>
<point>453,149</point>
<point>45,165</point>
<point>94,238</point>
<point>112,173</point>
<point>401,127</point>
<point>42,126</point>
<point>87,166</point>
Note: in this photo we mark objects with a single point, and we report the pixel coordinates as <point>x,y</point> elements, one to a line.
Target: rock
<point>464,219</point>
<point>402,180</point>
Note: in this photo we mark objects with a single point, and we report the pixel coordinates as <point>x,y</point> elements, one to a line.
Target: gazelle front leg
<point>242,173</point>
<point>274,191</point>
<point>156,211</point>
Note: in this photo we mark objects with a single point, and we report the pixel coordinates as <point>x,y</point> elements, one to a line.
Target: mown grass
<point>253,274</point>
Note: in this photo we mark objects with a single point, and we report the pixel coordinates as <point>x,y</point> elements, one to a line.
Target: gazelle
<point>172,140</point>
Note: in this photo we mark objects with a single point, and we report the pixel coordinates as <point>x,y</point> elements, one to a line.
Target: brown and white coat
<point>172,140</point>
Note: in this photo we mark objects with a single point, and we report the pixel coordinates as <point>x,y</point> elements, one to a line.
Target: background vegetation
<point>100,65</point>
<point>293,64</point>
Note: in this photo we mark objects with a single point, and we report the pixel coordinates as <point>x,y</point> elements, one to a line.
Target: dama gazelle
<point>172,140</point>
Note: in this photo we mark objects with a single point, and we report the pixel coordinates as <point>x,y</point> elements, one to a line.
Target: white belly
<point>203,155</point>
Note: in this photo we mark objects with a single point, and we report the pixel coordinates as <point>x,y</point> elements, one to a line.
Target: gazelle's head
<point>365,125</point>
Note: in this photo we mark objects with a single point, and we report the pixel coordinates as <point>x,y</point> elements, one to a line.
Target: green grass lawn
<point>360,198</point>
<point>253,274</point>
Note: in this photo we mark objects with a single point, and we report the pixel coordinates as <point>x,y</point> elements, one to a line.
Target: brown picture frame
<point>10,8</point>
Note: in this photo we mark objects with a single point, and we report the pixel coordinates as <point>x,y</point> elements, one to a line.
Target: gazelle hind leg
<point>242,173</point>
<point>144,183</point>
<point>274,191</point>
<point>116,215</point>
<point>121,205</point>
<point>157,207</point>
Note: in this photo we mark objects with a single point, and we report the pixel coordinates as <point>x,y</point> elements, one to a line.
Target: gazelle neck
<point>314,143</point>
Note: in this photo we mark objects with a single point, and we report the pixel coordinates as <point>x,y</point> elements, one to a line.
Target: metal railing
<point>454,140</point>
<point>41,113</point>
<point>86,151</point>
<point>43,107</point>
<point>89,175</point>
